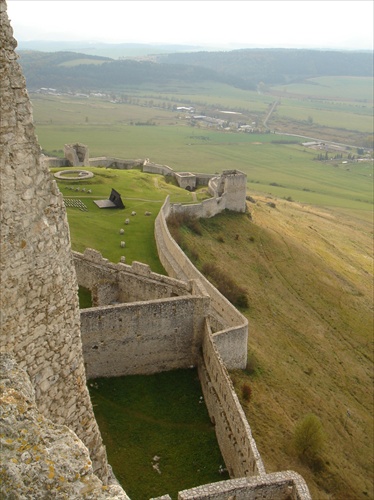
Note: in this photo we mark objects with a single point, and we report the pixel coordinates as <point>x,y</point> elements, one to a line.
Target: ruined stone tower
<point>234,184</point>
<point>40,322</point>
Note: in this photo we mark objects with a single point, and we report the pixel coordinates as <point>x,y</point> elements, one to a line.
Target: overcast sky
<point>336,24</point>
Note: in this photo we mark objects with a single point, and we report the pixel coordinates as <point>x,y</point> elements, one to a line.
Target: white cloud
<point>306,23</point>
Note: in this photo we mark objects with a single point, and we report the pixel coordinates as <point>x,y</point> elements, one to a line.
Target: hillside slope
<point>308,276</point>
<point>244,69</point>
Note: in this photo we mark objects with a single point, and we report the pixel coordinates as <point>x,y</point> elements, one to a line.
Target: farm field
<point>275,164</point>
<point>339,109</point>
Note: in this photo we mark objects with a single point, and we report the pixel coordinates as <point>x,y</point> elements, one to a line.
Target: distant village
<point>227,120</point>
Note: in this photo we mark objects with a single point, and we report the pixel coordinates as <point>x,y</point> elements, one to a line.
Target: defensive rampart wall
<point>119,283</point>
<point>111,162</point>
<point>144,323</point>
<point>234,435</point>
<point>220,349</point>
<point>143,337</point>
<point>221,310</point>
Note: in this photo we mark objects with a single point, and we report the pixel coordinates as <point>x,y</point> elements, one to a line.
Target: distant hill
<point>244,68</point>
<point>77,71</point>
<point>112,50</point>
<point>277,66</point>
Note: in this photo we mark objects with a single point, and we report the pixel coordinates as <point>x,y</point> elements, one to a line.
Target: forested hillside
<point>241,68</point>
<point>276,66</point>
<point>74,71</point>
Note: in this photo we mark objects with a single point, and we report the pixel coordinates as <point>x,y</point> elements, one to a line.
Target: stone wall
<point>154,168</point>
<point>277,486</point>
<point>177,264</point>
<point>40,319</point>
<point>118,163</point>
<point>155,323</point>
<point>41,459</point>
<point>119,283</point>
<point>220,349</point>
<point>143,337</point>
<point>234,435</point>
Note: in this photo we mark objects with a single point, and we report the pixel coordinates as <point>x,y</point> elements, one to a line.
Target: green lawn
<point>100,228</point>
<point>163,415</point>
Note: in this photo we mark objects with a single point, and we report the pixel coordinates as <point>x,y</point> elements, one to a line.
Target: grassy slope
<point>308,274</point>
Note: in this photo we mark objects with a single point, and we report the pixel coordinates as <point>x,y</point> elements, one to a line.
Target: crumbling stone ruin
<point>49,437</point>
<point>77,155</point>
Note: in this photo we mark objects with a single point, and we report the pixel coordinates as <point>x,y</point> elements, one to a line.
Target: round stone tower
<point>40,320</point>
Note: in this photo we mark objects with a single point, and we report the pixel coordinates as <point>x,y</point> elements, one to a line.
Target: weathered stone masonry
<point>39,304</point>
<point>128,336</point>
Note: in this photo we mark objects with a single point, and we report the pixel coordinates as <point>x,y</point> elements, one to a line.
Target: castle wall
<point>112,283</point>
<point>234,435</point>
<point>111,162</point>
<point>224,313</point>
<point>286,485</point>
<point>205,209</point>
<point>40,320</point>
<point>143,338</point>
<point>154,168</point>
<point>55,162</point>
<point>226,348</point>
<point>161,331</point>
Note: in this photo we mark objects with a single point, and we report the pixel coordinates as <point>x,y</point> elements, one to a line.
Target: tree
<point>308,437</point>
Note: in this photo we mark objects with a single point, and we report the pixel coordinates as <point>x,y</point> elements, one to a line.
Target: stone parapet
<point>286,485</point>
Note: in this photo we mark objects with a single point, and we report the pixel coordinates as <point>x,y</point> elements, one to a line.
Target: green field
<point>285,170</point>
<point>339,109</point>
<point>342,88</point>
<point>177,432</point>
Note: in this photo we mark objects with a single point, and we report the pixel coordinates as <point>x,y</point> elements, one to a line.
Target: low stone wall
<point>205,209</point>
<point>120,283</point>
<point>277,486</point>
<point>155,323</point>
<point>54,162</point>
<point>111,162</point>
<point>144,337</point>
<point>154,168</point>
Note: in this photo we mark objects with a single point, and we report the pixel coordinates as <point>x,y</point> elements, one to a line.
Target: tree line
<point>245,68</point>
